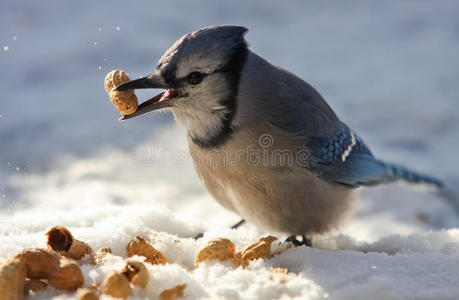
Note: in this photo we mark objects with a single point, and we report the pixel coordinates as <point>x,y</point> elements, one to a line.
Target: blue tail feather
<point>345,159</point>
<point>396,172</point>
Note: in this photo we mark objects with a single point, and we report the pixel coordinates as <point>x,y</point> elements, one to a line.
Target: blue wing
<point>345,159</point>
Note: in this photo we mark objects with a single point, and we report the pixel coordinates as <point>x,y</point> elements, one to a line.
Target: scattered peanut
<point>61,272</point>
<point>136,272</point>
<point>266,247</point>
<point>67,277</point>
<point>220,248</point>
<point>173,293</point>
<point>40,263</point>
<point>138,246</point>
<point>126,101</point>
<point>62,241</point>
<point>260,249</point>
<point>117,285</point>
<point>12,280</point>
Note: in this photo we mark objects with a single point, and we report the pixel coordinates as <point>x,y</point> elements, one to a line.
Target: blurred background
<point>390,69</point>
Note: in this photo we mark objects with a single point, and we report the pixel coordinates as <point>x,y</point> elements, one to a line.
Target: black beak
<point>153,81</point>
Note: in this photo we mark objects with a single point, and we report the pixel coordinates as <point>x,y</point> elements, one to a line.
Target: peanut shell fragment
<point>279,270</point>
<point>138,246</point>
<point>99,256</point>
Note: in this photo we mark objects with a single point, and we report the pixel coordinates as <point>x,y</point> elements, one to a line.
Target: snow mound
<point>415,266</point>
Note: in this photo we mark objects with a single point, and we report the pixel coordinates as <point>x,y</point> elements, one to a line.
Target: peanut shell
<point>220,248</point>
<point>12,280</point>
<point>87,294</point>
<point>138,246</point>
<point>136,272</point>
<point>67,277</point>
<point>117,285</point>
<point>260,249</point>
<point>173,293</point>
<point>61,240</point>
<point>266,247</point>
<point>40,263</point>
<point>125,101</point>
<point>114,79</point>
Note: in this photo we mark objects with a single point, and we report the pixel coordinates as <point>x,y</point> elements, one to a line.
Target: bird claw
<point>304,242</point>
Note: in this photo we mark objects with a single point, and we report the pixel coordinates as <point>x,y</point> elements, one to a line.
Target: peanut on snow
<point>61,272</point>
<point>136,272</point>
<point>12,279</point>
<point>138,246</point>
<point>117,285</point>
<point>62,241</point>
<point>220,248</point>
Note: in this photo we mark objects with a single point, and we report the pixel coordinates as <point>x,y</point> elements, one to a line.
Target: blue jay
<point>264,142</point>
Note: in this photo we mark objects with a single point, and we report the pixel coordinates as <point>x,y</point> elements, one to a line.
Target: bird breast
<point>260,177</point>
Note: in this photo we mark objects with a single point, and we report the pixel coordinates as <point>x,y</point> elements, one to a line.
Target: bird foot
<point>198,236</point>
<point>304,241</point>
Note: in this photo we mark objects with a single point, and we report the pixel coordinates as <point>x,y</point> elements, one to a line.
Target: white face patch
<point>202,112</point>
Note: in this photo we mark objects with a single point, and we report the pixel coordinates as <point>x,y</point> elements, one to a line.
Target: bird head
<point>200,76</point>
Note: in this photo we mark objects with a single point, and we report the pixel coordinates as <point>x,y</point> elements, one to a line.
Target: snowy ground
<point>389,69</point>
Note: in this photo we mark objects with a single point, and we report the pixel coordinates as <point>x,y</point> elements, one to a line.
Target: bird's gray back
<point>270,93</point>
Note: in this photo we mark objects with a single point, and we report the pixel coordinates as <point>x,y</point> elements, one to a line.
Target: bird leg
<point>304,241</point>
<point>235,226</point>
<point>238,224</point>
<point>198,236</point>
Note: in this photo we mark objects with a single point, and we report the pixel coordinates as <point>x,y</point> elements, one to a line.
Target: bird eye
<point>195,77</point>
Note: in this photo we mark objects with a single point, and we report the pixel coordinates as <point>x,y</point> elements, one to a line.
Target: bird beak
<point>153,81</point>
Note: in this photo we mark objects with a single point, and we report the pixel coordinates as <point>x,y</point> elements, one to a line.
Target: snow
<point>389,69</point>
